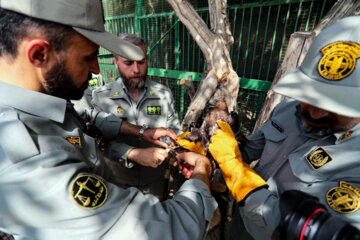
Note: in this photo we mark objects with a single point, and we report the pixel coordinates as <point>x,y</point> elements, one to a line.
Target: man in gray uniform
<point>309,144</point>
<point>142,102</point>
<point>47,187</point>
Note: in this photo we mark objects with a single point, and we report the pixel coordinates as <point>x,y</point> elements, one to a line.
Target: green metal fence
<point>261,30</point>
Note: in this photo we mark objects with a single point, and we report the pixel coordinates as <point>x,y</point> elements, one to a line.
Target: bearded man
<point>138,100</point>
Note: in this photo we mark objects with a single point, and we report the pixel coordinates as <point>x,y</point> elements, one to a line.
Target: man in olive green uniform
<point>142,102</point>
<point>48,188</point>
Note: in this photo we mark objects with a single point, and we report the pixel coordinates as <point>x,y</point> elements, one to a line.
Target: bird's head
<point>217,102</point>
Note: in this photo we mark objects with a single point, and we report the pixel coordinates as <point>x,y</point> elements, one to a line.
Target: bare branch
<point>194,23</point>
<point>188,85</point>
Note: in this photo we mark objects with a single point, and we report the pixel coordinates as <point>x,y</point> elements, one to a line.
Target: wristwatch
<point>142,130</point>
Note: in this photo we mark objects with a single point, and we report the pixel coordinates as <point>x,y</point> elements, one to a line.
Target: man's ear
<point>38,52</point>
<point>115,61</point>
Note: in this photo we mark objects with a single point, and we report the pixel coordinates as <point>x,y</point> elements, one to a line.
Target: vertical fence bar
<point>322,10</point>
<point>248,41</point>
<point>138,13</point>
<point>273,42</point>
<point>157,33</point>
<point>182,104</point>
<point>309,16</point>
<point>188,51</point>
<point>284,36</point>
<point>240,38</point>
<point>233,33</point>
<point>255,43</point>
<point>177,46</point>
<point>298,16</point>
<point>264,43</point>
<point>183,47</point>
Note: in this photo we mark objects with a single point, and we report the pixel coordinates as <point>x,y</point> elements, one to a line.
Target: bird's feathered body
<point>206,126</point>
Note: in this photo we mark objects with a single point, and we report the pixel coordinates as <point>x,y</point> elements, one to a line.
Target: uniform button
<point>92,155</point>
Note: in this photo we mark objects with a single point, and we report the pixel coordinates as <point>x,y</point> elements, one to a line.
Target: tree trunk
<point>298,46</point>
<point>221,79</point>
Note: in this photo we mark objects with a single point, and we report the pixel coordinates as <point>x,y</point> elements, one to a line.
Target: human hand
<point>240,179</point>
<point>194,165</point>
<point>148,157</point>
<point>224,146</point>
<point>191,146</point>
<point>153,135</point>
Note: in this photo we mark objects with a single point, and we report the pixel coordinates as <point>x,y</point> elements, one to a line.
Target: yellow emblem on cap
<point>318,158</point>
<point>151,92</point>
<point>89,192</point>
<point>119,110</point>
<point>346,135</point>
<point>344,199</point>
<point>116,93</point>
<point>339,60</point>
<point>74,140</point>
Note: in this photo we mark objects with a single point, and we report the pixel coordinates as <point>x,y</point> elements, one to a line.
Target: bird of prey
<point>205,127</point>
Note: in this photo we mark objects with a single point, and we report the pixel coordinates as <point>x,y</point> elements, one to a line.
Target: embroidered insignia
<point>151,92</point>
<point>74,140</point>
<point>318,158</point>
<point>346,135</point>
<point>339,60</point>
<point>116,93</point>
<point>119,110</point>
<point>154,110</point>
<point>93,82</point>
<point>344,199</point>
<point>89,191</point>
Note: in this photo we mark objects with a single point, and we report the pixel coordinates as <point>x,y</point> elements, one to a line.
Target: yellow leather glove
<point>239,177</point>
<point>191,146</point>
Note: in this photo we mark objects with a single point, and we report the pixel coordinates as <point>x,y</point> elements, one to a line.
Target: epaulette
<point>12,133</point>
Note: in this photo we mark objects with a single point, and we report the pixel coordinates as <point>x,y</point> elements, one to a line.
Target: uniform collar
<point>118,89</point>
<point>32,102</point>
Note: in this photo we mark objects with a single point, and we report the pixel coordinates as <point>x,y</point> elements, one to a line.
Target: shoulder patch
<point>88,191</point>
<point>318,158</point>
<point>344,199</point>
<point>13,132</point>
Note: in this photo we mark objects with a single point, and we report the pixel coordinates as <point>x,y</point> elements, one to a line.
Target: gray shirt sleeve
<point>108,123</point>
<point>261,214</point>
<point>173,118</point>
<point>119,151</point>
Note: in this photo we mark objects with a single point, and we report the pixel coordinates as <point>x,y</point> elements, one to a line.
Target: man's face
<point>69,75</point>
<point>133,73</point>
<point>321,122</point>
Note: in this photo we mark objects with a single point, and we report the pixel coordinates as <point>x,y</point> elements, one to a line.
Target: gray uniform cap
<point>329,77</point>
<point>84,16</point>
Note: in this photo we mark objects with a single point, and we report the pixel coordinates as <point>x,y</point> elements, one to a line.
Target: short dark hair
<point>14,27</point>
<point>132,38</point>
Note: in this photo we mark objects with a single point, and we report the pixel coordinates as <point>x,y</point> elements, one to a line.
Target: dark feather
<point>205,127</point>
